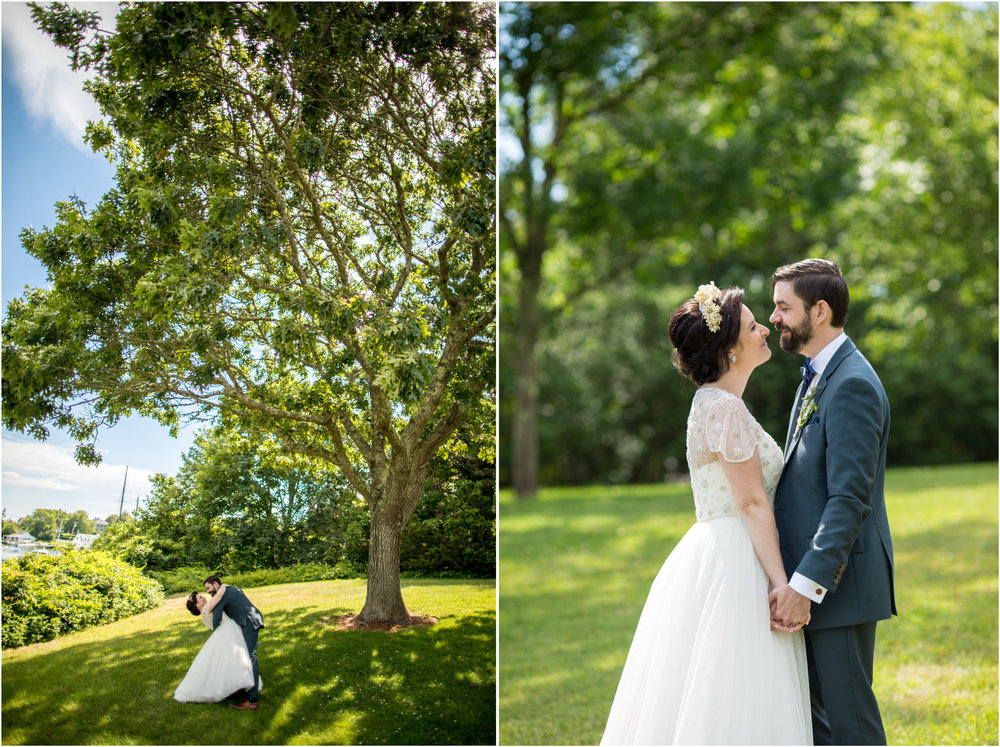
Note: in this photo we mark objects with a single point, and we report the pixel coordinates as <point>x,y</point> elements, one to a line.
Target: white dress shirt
<point>803,585</point>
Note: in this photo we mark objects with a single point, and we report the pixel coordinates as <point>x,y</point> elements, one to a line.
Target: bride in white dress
<point>222,666</point>
<point>706,665</point>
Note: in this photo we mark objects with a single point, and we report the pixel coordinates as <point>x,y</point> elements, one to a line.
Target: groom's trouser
<point>250,637</point>
<point>844,709</point>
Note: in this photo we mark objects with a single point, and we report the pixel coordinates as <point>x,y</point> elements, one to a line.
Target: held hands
<point>789,609</point>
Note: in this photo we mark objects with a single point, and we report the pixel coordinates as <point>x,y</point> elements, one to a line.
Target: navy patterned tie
<point>808,372</point>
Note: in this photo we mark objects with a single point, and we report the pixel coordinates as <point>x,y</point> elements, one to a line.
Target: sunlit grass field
<point>576,565</point>
<point>114,684</point>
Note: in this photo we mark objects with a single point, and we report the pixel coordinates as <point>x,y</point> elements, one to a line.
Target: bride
<point>222,666</point>
<point>707,664</point>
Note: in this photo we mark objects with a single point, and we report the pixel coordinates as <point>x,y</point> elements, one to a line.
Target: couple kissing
<point>227,662</point>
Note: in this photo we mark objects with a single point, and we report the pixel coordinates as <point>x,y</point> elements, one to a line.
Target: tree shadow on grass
<point>433,685</point>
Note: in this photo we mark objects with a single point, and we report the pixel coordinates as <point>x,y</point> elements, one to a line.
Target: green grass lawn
<point>576,565</point>
<point>114,684</point>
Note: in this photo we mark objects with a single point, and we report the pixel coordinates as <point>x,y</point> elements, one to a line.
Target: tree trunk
<point>384,600</point>
<point>525,466</point>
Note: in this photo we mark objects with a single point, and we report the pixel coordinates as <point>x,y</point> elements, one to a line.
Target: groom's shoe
<point>246,705</point>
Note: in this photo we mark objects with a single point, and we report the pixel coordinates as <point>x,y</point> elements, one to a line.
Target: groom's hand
<point>789,609</point>
<point>776,623</point>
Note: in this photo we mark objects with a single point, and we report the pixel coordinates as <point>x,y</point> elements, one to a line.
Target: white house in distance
<point>84,541</point>
<point>20,538</point>
<point>100,525</point>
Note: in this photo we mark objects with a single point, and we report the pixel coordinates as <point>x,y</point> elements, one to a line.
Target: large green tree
<point>43,523</point>
<point>300,236</point>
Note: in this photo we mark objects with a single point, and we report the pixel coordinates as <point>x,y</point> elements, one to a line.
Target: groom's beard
<point>797,336</point>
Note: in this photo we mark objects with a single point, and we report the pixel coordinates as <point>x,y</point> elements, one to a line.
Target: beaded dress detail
<point>704,666</point>
<point>720,426</point>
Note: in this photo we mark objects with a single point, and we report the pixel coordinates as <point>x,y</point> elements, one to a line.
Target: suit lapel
<point>799,393</point>
<point>839,357</point>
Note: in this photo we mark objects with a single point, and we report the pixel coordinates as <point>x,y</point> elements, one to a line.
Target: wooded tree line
<point>46,524</point>
<point>648,148</point>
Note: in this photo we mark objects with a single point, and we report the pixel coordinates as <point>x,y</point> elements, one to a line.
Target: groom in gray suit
<point>830,504</point>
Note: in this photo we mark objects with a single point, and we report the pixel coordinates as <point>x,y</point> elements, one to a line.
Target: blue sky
<point>44,159</point>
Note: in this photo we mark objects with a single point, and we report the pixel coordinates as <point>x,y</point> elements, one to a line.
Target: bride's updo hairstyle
<point>699,353</point>
<point>192,604</point>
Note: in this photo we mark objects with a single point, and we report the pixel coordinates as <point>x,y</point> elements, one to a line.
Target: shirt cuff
<point>807,588</point>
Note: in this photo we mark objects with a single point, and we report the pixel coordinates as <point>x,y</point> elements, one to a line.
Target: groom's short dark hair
<point>212,580</point>
<point>816,280</point>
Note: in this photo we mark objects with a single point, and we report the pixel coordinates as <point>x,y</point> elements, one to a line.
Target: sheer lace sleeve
<point>206,617</point>
<point>730,430</point>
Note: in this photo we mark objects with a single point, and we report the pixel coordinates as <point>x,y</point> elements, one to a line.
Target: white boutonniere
<point>808,407</point>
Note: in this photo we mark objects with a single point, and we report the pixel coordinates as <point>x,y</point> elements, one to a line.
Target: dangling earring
<point>732,357</point>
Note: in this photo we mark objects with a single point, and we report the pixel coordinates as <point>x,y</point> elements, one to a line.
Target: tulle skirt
<point>704,666</point>
<point>221,668</point>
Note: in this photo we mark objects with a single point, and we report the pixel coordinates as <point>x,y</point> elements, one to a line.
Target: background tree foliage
<point>241,503</point>
<point>300,238</point>
<point>649,148</point>
<point>45,524</point>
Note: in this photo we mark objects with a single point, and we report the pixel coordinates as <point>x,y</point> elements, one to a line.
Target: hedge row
<point>189,578</point>
<point>45,596</point>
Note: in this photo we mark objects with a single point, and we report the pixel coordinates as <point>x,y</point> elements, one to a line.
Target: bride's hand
<point>777,624</point>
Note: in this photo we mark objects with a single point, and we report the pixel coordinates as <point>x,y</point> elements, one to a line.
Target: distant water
<point>13,551</point>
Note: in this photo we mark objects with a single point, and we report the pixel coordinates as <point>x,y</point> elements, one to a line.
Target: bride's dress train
<point>704,666</point>
<point>221,668</point>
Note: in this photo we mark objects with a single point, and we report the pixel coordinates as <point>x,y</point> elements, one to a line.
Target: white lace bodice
<point>720,426</point>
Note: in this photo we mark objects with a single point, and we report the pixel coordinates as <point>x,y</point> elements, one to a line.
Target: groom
<point>235,603</point>
<point>830,504</point>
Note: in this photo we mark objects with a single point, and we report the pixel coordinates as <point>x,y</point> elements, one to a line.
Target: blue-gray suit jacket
<point>830,501</point>
<point>235,603</point>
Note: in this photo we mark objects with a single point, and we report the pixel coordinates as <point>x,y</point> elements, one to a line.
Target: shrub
<point>45,596</point>
<point>294,574</point>
<point>186,578</point>
<point>189,578</point>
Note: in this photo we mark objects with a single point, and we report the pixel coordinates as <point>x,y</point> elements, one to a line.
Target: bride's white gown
<point>221,667</point>
<point>704,666</point>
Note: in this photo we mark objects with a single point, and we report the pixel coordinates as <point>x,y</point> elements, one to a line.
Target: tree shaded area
<point>646,149</point>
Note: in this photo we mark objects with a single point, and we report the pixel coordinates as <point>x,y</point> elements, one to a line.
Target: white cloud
<point>51,91</point>
<point>12,478</point>
<point>44,475</point>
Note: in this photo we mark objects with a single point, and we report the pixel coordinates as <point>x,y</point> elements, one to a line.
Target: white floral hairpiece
<point>708,303</point>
